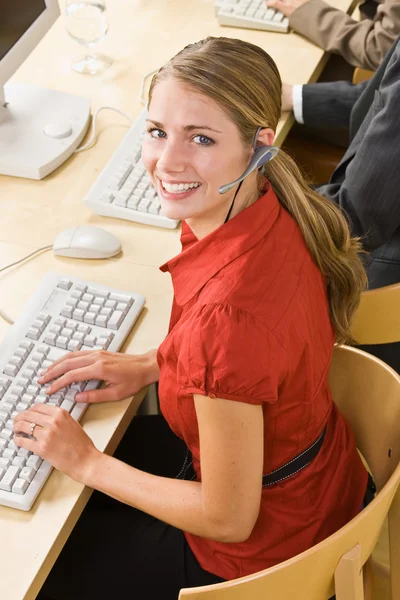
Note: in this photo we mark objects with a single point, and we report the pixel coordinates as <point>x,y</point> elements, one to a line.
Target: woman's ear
<point>265,137</point>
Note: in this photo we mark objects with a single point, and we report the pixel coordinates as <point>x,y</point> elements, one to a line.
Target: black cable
<point>233,201</point>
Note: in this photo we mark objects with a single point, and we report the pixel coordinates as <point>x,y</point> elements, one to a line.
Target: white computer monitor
<point>39,128</point>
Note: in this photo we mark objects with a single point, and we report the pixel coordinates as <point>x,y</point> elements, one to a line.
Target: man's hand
<point>287,97</point>
<point>286,7</point>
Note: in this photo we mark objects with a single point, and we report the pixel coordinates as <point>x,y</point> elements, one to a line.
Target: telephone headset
<point>262,155</point>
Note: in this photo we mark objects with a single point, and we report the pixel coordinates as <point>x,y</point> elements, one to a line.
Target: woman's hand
<point>286,7</point>
<point>57,438</point>
<point>123,374</point>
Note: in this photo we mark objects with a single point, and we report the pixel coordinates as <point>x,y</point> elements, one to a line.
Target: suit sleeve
<point>329,105</point>
<point>361,43</point>
<point>370,188</point>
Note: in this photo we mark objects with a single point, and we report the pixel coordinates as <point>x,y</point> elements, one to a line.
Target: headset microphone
<point>262,155</point>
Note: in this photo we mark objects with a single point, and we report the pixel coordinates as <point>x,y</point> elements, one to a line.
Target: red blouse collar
<point>200,260</point>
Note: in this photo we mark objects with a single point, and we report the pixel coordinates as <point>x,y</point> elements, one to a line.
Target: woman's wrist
<point>152,369</point>
<point>91,468</point>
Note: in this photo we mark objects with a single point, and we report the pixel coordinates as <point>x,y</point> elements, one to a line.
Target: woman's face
<point>191,148</point>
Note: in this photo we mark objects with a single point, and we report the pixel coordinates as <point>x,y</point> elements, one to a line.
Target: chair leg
<point>349,576</point>
<point>368,577</point>
<point>394,545</point>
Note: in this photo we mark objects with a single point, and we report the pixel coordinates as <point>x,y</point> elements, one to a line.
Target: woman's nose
<point>172,158</point>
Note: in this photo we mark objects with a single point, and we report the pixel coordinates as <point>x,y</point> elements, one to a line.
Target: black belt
<point>296,464</point>
<point>291,468</point>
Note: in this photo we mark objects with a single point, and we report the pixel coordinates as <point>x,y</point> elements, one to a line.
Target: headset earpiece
<point>262,155</point>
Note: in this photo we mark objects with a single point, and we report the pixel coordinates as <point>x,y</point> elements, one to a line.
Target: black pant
<point>116,551</point>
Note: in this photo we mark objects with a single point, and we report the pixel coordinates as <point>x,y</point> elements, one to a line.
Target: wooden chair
<point>368,394</point>
<point>360,74</point>
<point>377,319</point>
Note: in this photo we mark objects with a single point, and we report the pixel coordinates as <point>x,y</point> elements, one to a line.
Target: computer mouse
<point>85,241</point>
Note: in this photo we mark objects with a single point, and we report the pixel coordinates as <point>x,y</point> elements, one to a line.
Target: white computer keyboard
<point>65,314</point>
<point>250,14</point>
<point>123,189</point>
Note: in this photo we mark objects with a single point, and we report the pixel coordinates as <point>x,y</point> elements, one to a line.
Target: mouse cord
<point>3,315</point>
<point>92,139</point>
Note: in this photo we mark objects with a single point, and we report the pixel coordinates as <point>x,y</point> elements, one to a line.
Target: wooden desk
<point>142,36</point>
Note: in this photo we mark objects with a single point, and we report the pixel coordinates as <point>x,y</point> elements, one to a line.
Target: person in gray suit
<point>366,182</point>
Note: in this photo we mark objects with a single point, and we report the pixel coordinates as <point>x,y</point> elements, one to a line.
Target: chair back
<point>377,319</point>
<point>367,392</point>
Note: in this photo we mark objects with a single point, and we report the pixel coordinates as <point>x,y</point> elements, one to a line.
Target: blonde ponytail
<point>326,233</point>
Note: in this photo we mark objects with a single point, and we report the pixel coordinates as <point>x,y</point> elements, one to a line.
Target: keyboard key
<point>103,342</point>
<point>90,317</point>
<point>20,486</point>
<point>11,370</point>
<point>50,338</point>
<point>27,345</point>
<point>60,321</point>
<point>90,340</point>
<point>16,360</point>
<point>107,197</point>
<point>22,352</point>
<point>74,345</point>
<point>64,284</point>
<point>8,479</point>
<point>110,304</point>
<point>33,333</point>
<point>67,332</point>
<point>9,453</point>
<point>121,298</point>
<point>82,328</point>
<point>101,320</point>
<point>97,292</point>
<point>61,342</point>
<point>6,434</point>
<point>68,405</point>
<point>116,319</point>
<point>34,462</point>
<point>78,386</point>
<point>27,473</point>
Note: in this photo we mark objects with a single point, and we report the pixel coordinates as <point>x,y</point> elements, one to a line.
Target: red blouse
<point>250,323</point>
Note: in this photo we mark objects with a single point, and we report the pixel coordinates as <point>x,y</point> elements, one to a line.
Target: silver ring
<point>33,425</point>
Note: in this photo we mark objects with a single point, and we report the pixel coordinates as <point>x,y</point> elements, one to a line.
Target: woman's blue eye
<point>157,133</point>
<point>203,140</point>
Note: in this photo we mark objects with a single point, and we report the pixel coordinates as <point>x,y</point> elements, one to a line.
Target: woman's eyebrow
<point>186,127</point>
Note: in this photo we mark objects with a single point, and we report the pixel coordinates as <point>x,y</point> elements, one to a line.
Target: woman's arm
<point>224,506</point>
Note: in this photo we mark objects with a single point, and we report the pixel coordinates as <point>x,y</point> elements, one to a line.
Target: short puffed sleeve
<point>226,352</point>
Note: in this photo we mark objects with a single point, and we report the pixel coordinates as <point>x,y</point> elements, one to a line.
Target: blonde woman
<point>251,463</point>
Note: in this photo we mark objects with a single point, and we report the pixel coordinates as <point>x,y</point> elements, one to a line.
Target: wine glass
<point>86,22</point>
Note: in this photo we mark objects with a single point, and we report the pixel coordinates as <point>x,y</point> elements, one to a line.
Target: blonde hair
<point>245,82</point>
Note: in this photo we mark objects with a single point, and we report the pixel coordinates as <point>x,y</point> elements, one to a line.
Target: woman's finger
<point>31,416</point>
<point>85,373</point>
<point>66,363</point>
<point>25,442</point>
<point>106,394</point>
<point>27,428</point>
